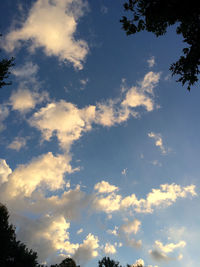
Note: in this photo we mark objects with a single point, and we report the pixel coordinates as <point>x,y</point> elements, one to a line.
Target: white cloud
<point>151,61</point>
<point>109,249</point>
<point>108,203</point>
<point>105,187</point>
<point>24,100</point>
<point>160,251</point>
<point>46,171</point>
<point>47,235</point>
<point>113,232</point>
<point>165,196</point>
<point>4,171</point>
<point>158,141</point>
<point>51,25</point>
<point>68,122</point>
<point>27,94</point>
<point>65,120</point>
<point>138,263</point>
<point>27,71</point>
<point>170,246</point>
<point>17,143</point>
<point>87,250</point>
<point>124,171</point>
<point>130,227</point>
<point>79,231</point>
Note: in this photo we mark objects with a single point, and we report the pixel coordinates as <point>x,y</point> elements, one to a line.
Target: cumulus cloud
<point>49,235</point>
<point>138,263</point>
<point>160,251</point>
<point>65,120</point>
<point>109,249</point>
<point>158,141</point>
<point>130,227</point>
<point>17,143</point>
<point>87,250</point>
<point>105,187</point>
<point>68,122</point>
<point>51,25</point>
<point>24,100</point>
<point>4,171</point>
<point>46,171</point>
<point>165,196</point>
<point>27,95</point>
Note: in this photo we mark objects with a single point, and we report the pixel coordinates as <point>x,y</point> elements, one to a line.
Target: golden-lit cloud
<point>109,249</point>
<point>5,171</point>
<point>131,227</point>
<point>87,250</point>
<point>46,171</point>
<point>105,187</point>
<point>51,25</point>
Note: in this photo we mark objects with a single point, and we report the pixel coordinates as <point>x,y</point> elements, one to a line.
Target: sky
<point>99,145</point>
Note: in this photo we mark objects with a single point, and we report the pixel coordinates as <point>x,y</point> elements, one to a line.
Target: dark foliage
<point>5,65</point>
<point>156,16</point>
<point>13,253</point>
<point>68,262</point>
<point>107,262</point>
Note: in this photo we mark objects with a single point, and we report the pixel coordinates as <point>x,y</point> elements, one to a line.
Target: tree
<point>68,262</point>
<point>156,16</point>
<point>5,65</point>
<point>13,253</point>
<point>107,262</point>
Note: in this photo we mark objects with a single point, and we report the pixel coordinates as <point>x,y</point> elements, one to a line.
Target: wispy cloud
<point>158,141</point>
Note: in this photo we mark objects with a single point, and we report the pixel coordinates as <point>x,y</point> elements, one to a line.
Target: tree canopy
<point>107,262</point>
<point>13,253</point>
<point>156,16</point>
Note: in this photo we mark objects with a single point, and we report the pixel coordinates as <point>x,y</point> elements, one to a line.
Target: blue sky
<point>99,145</point>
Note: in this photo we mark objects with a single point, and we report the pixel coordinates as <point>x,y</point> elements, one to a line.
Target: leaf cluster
<point>156,16</point>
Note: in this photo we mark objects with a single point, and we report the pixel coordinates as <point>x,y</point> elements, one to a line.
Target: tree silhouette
<point>107,262</point>
<point>13,253</point>
<point>68,262</point>
<point>156,16</point>
<point>5,65</point>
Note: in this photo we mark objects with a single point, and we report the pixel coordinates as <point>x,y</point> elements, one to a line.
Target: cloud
<point>124,171</point>
<point>105,187</point>
<point>109,249</point>
<point>163,197</point>
<point>159,256</point>
<point>65,120</point>
<point>130,227</point>
<point>24,100</point>
<point>46,171</point>
<point>51,25</point>
<point>17,143</point>
<point>68,122</point>
<point>151,61</point>
<point>87,250</point>
<point>138,263</point>
<point>27,95</point>
<point>108,203</point>
<point>48,235</point>
<point>160,251</point>
<point>4,112</point>
<point>79,231</point>
<point>158,141</point>
<point>4,171</point>
<point>27,71</point>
